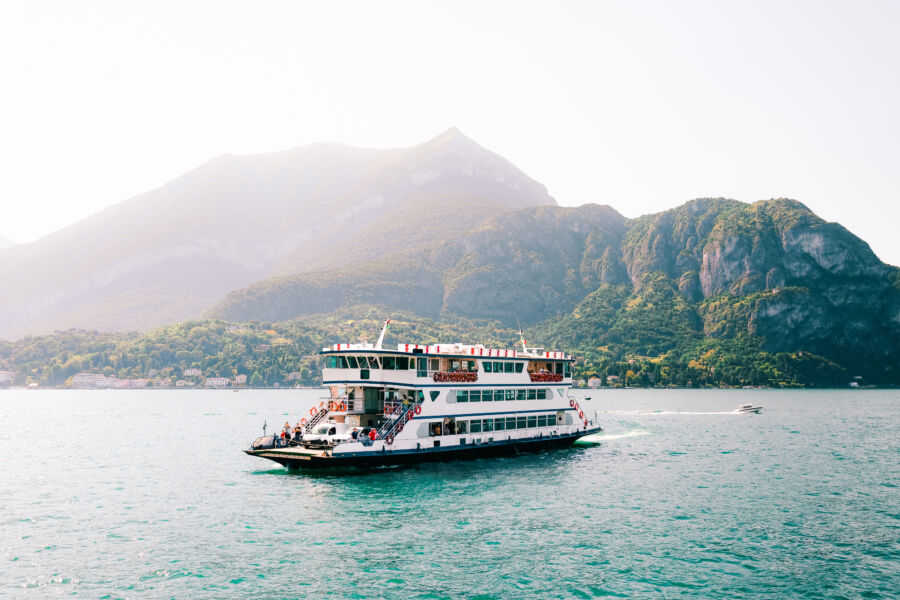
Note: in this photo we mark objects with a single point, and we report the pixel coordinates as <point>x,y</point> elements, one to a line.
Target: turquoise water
<point>140,494</point>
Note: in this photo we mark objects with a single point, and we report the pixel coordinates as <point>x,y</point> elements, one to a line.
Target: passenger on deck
<point>298,432</point>
<point>286,433</point>
<point>373,434</point>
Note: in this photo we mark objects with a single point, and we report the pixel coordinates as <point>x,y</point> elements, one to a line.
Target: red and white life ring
<point>572,402</point>
<point>580,414</point>
<point>303,422</point>
<point>313,411</point>
<point>418,409</point>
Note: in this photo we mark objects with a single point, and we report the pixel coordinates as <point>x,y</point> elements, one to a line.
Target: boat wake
<point>667,412</point>
<point>604,436</point>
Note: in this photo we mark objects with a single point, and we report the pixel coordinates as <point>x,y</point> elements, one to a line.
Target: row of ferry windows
<point>400,363</point>
<point>500,395</point>
<point>505,423</point>
<point>404,363</point>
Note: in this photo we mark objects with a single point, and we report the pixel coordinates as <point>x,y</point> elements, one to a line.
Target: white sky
<point>640,105</point>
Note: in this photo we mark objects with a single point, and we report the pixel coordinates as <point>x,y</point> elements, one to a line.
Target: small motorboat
<point>748,408</point>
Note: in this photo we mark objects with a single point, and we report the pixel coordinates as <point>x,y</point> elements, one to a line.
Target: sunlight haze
<point>639,105</point>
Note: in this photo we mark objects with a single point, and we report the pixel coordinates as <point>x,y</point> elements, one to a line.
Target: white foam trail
<point>666,412</point>
<point>597,438</point>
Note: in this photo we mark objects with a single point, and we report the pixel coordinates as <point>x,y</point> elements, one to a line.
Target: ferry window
<point>434,364</point>
<point>471,365</point>
<point>474,395</point>
<point>475,426</point>
<point>510,394</point>
<point>373,363</point>
<point>343,362</point>
<point>568,370</point>
<point>363,373</point>
<point>532,394</point>
<point>403,363</point>
<point>498,395</point>
<point>487,395</point>
<point>520,394</point>
<point>508,367</point>
<point>520,422</point>
<point>434,395</point>
<point>542,421</point>
<point>487,366</point>
<point>519,367</point>
<point>388,362</point>
<point>487,425</point>
<point>331,362</point>
<point>559,392</point>
<point>510,422</point>
<point>421,367</point>
<point>462,396</point>
<point>462,427</point>
<point>499,424</point>
<point>498,367</point>
<point>352,361</point>
<point>420,396</point>
<point>559,368</point>
<point>542,394</point>
<point>532,421</point>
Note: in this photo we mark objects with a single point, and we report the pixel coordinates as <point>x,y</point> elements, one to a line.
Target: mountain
<point>533,262</point>
<point>169,254</point>
<point>770,274</point>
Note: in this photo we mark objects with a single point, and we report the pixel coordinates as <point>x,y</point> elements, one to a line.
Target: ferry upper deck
<point>444,365</point>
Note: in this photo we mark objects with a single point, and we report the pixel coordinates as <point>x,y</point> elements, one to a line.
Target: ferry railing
<point>315,419</point>
<point>397,417</point>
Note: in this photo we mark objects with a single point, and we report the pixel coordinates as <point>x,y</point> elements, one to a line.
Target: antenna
<point>381,336</point>
<point>521,334</point>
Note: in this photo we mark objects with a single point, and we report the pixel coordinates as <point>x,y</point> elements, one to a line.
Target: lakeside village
<point>191,378</point>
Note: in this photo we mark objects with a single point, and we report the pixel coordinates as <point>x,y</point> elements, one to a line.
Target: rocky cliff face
<point>715,268</point>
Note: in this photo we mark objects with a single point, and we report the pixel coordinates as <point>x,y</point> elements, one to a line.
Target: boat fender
<point>585,423</point>
<point>389,439</point>
<point>572,402</point>
<point>418,409</point>
<point>581,415</point>
<point>313,411</point>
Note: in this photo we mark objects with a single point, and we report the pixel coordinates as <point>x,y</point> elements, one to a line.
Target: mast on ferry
<point>381,335</point>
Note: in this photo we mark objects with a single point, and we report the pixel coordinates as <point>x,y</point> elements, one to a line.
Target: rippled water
<point>146,494</point>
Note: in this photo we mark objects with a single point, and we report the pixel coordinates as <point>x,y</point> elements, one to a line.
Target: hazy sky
<point>640,105</point>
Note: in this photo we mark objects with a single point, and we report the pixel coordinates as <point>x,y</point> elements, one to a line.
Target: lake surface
<point>145,494</point>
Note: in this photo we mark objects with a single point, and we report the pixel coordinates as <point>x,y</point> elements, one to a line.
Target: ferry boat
<point>434,402</point>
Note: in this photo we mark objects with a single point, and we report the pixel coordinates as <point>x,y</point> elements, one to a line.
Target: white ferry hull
<point>299,458</point>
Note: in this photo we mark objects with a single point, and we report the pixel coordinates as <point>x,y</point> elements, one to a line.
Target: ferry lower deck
<point>298,457</point>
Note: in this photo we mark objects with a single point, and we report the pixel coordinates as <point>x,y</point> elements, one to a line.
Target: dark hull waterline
<point>321,459</point>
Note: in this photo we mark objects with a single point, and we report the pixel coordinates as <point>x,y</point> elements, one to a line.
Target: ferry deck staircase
<point>397,416</point>
<point>316,418</point>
